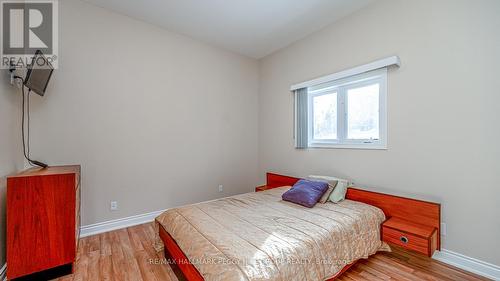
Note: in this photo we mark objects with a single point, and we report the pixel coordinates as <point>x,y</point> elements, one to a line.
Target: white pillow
<point>331,187</point>
<point>340,190</point>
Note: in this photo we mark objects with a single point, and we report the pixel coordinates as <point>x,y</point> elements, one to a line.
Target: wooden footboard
<point>173,251</point>
<point>188,270</point>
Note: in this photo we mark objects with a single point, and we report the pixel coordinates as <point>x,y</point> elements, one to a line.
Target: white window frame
<point>341,86</point>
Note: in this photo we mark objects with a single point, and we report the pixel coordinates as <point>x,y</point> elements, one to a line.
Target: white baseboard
<point>3,272</point>
<point>96,228</point>
<point>469,264</point>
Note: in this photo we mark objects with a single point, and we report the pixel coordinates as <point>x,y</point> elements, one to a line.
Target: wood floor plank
<point>118,268</point>
<point>136,237</point>
<point>105,241</point>
<point>93,244</point>
<point>387,270</point>
<point>105,268</point>
<point>373,271</point>
<point>93,268</point>
<point>81,268</point>
<point>359,271</point>
<point>129,254</point>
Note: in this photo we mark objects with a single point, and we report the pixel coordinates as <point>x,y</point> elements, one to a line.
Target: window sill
<point>348,146</point>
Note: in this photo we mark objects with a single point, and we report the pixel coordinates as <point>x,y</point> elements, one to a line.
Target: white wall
<point>443,104</point>
<point>159,120</point>
<point>156,119</point>
<point>10,147</point>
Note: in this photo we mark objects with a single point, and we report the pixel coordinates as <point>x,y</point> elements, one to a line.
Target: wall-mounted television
<point>39,73</point>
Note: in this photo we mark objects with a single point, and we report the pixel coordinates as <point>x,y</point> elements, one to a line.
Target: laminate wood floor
<point>126,254</point>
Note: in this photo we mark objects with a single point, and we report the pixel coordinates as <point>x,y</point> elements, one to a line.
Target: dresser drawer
<point>406,240</point>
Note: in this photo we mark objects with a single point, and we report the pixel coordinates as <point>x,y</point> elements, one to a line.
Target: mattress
<point>258,236</point>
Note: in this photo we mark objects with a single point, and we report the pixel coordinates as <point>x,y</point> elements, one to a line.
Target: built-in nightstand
<point>409,235</point>
<point>263,187</point>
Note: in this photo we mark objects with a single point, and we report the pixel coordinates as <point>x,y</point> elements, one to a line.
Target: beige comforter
<point>257,236</point>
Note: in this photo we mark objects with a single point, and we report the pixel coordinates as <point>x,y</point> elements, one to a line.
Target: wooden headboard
<point>276,180</point>
<point>417,211</point>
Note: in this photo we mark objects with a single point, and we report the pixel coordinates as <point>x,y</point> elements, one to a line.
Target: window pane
<point>363,112</point>
<point>325,116</point>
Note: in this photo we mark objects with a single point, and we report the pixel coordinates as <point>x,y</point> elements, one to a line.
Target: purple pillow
<point>306,192</point>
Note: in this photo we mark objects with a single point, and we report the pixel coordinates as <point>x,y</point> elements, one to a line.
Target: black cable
<point>22,119</point>
<point>32,162</point>
<point>28,115</point>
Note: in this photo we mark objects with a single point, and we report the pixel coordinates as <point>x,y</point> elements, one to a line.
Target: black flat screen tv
<point>39,73</point>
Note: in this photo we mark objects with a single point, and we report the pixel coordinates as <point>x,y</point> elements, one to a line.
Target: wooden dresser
<point>43,219</point>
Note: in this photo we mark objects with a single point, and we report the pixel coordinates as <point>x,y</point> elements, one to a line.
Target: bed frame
<point>417,211</point>
<point>184,270</point>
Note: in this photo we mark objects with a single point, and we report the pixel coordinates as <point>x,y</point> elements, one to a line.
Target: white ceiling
<point>254,28</point>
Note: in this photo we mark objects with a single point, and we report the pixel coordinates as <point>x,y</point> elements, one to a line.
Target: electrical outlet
<point>113,206</point>
<point>443,229</point>
<point>221,188</point>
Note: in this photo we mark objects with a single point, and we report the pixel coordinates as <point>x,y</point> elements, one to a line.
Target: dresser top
<point>54,170</point>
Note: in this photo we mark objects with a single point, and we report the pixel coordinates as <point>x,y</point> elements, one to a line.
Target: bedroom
<point>168,104</point>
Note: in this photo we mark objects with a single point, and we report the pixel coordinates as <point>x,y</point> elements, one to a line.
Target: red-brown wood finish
<point>423,231</point>
<point>178,256</point>
<point>276,180</point>
<point>42,219</point>
<point>419,238</point>
<point>418,216</point>
<point>420,213</point>
<point>262,188</point>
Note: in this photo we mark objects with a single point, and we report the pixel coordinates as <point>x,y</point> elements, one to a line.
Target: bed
<point>257,236</point>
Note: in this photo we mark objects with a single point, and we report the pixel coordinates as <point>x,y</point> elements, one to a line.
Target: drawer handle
<point>404,239</point>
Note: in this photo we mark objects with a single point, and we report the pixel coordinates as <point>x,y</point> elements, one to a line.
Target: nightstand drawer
<point>410,235</point>
<point>406,240</point>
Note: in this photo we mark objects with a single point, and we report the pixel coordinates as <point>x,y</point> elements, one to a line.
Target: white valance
<point>386,62</point>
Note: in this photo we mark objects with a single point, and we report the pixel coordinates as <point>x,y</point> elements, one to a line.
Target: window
<point>324,116</point>
<point>348,113</point>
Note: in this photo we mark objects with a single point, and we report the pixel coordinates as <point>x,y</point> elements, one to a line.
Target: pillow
<point>306,192</point>
<point>331,187</point>
<point>338,193</point>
